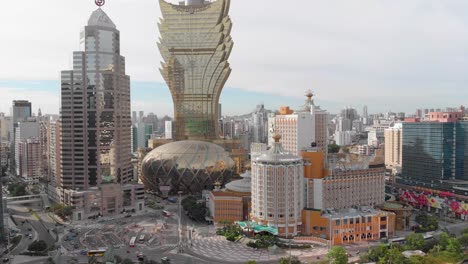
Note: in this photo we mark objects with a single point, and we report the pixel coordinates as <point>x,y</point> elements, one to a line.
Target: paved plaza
<point>218,248</point>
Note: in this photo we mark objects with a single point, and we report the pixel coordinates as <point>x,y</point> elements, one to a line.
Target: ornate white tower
<point>278,189</point>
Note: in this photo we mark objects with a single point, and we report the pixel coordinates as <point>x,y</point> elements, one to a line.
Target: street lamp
<point>180,227</point>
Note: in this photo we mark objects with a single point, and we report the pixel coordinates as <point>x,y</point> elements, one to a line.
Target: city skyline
<point>397,56</point>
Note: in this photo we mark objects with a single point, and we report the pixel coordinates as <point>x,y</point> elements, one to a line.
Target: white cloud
<point>345,50</point>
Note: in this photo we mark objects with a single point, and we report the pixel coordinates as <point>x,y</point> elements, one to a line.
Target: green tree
<point>415,242</point>
<point>37,246</point>
<point>188,202</point>
<point>454,246</point>
<point>424,260</point>
<point>289,260</point>
<point>198,212</point>
<point>375,254</point>
<point>333,148</point>
<point>62,210</point>
<point>36,189</point>
<point>251,262</point>
<point>224,222</point>
<point>443,240</point>
<point>393,256</point>
<point>463,240</point>
<point>17,189</point>
<point>338,255</point>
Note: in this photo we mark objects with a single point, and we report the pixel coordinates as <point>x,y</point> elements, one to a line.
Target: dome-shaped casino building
<point>189,166</point>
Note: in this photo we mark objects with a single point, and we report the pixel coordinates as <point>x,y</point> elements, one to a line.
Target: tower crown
<point>100,18</point>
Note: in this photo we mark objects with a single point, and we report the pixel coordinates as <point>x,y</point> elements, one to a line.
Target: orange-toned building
<point>348,226</point>
<point>314,164</point>
<point>342,189</point>
<point>232,203</point>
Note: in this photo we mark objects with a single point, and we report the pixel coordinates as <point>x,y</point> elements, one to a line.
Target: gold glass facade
<point>195,45</point>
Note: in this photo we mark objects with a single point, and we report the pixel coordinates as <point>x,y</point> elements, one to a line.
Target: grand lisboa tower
<point>195,44</point>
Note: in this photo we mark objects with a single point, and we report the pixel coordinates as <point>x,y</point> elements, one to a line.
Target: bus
<point>402,240</point>
<point>97,252</point>
<point>132,241</point>
<point>141,239</point>
<point>397,240</point>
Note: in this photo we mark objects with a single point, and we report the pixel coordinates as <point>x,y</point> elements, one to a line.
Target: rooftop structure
<point>189,166</point>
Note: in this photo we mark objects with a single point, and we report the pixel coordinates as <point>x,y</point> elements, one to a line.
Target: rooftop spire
<point>100,18</point>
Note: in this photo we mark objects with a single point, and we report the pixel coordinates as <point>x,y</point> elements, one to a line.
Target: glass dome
<point>188,166</point>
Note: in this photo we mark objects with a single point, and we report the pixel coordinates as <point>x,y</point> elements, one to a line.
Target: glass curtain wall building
<point>195,44</point>
<point>435,154</point>
<point>95,110</point>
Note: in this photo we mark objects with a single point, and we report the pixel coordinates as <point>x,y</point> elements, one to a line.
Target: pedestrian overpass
<point>26,199</point>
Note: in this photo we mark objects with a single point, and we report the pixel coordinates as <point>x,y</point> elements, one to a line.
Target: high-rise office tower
<point>134,117</point>
<point>195,44</point>
<point>144,131</point>
<point>20,111</point>
<point>349,113</point>
<point>141,116</point>
<point>435,153</point>
<point>152,119</point>
<point>96,125</point>
<point>5,128</point>
<point>95,113</point>
<point>3,238</point>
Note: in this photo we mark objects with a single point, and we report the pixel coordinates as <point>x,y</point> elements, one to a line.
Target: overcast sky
<point>389,54</point>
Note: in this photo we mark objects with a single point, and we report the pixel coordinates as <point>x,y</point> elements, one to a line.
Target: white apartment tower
<point>393,146</point>
<point>54,152</point>
<point>301,129</point>
<point>297,130</point>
